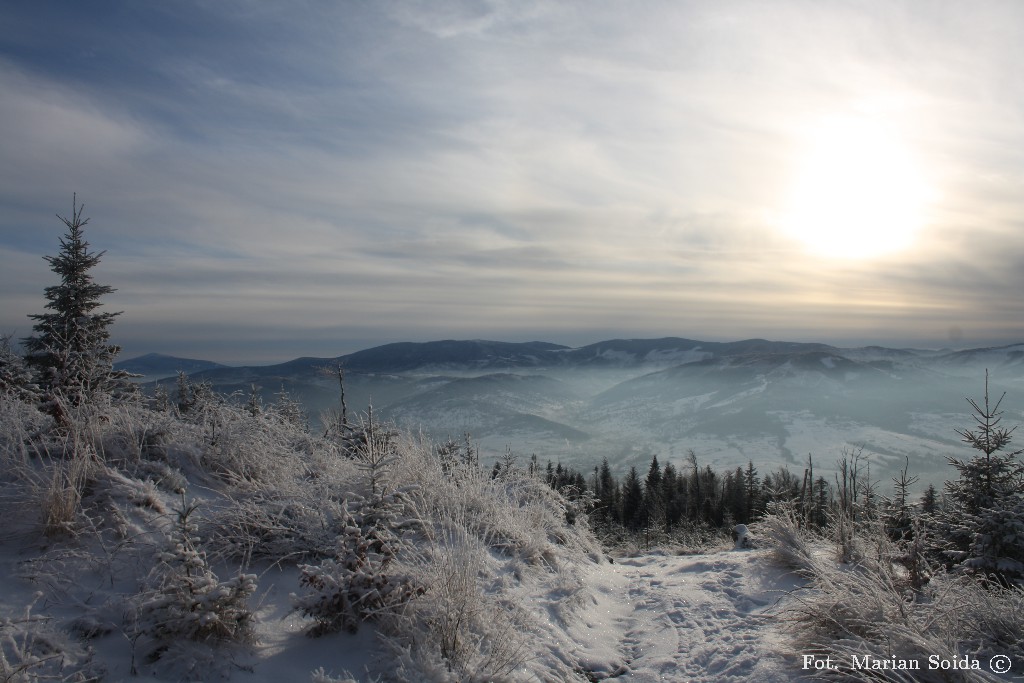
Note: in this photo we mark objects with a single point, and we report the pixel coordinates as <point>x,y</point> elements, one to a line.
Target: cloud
<point>407,170</point>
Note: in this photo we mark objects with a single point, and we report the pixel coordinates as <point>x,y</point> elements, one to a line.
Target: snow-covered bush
<point>23,424</point>
<point>294,512</point>
<point>186,601</point>
<point>31,649</point>
<point>877,607</point>
<point>479,542</point>
<point>996,545</point>
<point>437,553</point>
<point>460,629</point>
<point>15,376</point>
<point>247,451</point>
<point>519,514</point>
<point>360,581</point>
<point>790,543</point>
<point>266,525</point>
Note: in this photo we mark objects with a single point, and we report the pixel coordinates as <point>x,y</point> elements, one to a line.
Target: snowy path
<point>696,618</point>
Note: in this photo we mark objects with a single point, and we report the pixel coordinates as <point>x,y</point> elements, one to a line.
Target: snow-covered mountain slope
<point>772,403</point>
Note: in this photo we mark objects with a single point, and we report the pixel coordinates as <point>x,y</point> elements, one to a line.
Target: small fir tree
<point>186,600</point>
<point>70,350</point>
<point>930,500</point>
<point>985,523</point>
<point>995,471</point>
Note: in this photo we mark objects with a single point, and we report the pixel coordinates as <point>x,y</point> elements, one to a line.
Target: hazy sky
<point>310,178</point>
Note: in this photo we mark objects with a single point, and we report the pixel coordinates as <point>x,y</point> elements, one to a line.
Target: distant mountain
<point>154,365</point>
<point>768,402</point>
<point>450,354</point>
<point>676,351</point>
<point>1002,361</point>
<point>481,356</point>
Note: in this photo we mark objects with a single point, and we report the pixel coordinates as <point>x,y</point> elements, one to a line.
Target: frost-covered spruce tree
<point>985,523</point>
<point>360,581</point>
<point>70,350</point>
<point>186,601</point>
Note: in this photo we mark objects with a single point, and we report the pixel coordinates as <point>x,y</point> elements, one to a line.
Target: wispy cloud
<point>336,175</point>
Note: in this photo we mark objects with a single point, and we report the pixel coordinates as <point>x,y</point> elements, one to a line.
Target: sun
<point>859,193</point>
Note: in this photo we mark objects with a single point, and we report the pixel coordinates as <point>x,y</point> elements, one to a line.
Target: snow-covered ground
<point>707,617</point>
<point>653,617</point>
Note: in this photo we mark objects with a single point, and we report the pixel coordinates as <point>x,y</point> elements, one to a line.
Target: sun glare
<point>858,193</point>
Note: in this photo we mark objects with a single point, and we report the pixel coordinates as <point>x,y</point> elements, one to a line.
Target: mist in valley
<point>773,404</point>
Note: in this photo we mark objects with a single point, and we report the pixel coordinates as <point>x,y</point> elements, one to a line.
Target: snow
<point>677,356</point>
<point>654,617</point>
<point>696,618</point>
<point>746,393</point>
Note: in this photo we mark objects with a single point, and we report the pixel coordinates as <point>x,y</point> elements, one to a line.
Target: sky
<point>273,180</point>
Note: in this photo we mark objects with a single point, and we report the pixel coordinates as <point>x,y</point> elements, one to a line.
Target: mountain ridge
<point>753,400</point>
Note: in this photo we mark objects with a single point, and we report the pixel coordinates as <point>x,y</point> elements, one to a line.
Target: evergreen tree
<point>737,497</point>
<point>606,491</point>
<point>670,496</point>
<point>995,471</point>
<point>986,521</point>
<point>654,508</point>
<point>632,500</point>
<point>694,492</point>
<point>751,484</point>
<point>930,500</point>
<point>70,350</point>
<point>899,521</point>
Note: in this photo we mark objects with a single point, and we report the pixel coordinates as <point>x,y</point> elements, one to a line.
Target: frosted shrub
<point>131,432</point>
<point>360,581</point>
<point>187,602</point>
<point>519,514</point>
<point>879,607</point>
<point>265,525</point>
<point>789,543</point>
<point>462,632</point>
<point>22,424</point>
<point>480,539</point>
<point>247,451</point>
<point>321,676</point>
<point>32,650</point>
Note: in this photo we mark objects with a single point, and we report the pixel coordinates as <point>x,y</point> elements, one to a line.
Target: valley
<point>770,403</point>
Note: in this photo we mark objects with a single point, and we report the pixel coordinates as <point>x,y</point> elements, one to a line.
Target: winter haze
<point>773,404</point>
<point>312,179</point>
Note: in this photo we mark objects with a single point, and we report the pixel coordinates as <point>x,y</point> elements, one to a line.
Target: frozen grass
<point>96,511</point>
<point>871,606</point>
